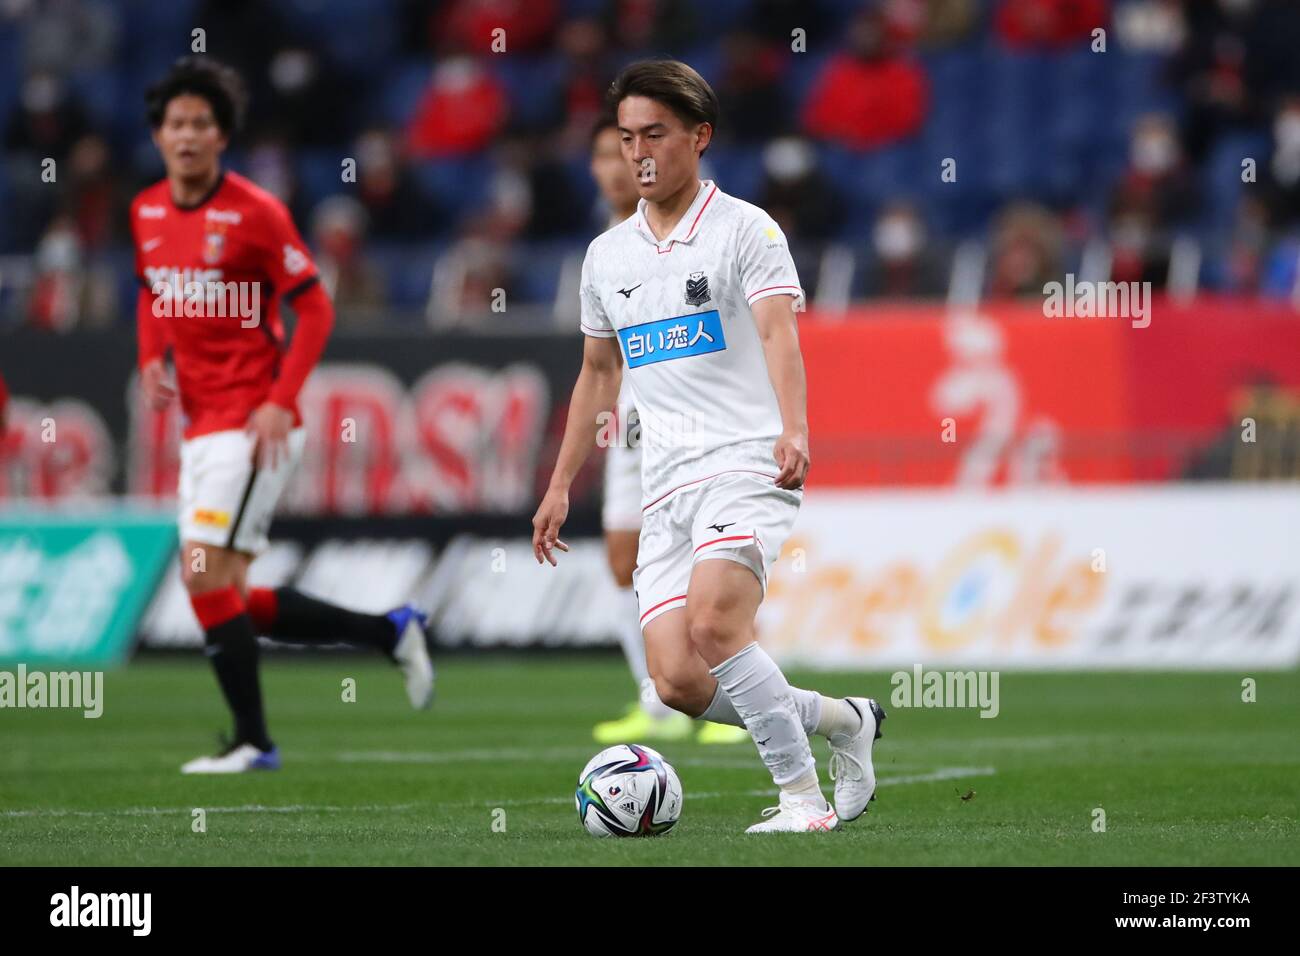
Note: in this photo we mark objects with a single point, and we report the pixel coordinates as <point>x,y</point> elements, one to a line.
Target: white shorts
<point>621,510</point>
<point>739,516</point>
<point>226,501</point>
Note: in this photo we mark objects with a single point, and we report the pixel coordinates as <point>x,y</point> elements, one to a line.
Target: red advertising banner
<point>1002,395</point>
<point>997,396</point>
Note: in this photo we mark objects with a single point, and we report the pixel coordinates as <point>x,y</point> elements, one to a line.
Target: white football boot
<point>241,758</point>
<point>412,654</point>
<point>850,768</point>
<point>796,816</point>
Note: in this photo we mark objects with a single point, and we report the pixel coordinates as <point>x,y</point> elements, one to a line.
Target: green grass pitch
<point>1186,773</point>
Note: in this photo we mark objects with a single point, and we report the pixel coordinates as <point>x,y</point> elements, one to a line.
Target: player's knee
<point>205,568</point>
<point>677,694</point>
<point>621,550</point>
<point>622,571</point>
<point>710,633</point>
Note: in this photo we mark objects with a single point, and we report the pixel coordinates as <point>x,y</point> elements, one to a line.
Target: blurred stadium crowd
<point>472,164</point>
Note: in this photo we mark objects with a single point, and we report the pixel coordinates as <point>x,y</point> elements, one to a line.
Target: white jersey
<point>691,350</point>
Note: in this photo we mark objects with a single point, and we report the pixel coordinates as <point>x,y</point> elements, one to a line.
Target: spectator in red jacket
<point>868,96</point>
<point>472,24</point>
<point>1035,24</point>
<point>459,113</point>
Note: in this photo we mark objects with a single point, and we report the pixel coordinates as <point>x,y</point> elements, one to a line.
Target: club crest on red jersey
<point>214,245</point>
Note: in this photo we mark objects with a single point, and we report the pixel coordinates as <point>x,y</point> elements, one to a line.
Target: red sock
<point>214,608</point>
<point>263,608</point>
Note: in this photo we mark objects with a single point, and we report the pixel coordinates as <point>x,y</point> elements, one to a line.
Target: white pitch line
<point>485,755</point>
<point>165,811</point>
<point>943,773</point>
<point>721,761</point>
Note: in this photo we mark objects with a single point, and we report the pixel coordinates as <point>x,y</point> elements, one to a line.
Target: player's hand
<point>158,391</point>
<point>547,523</point>
<point>791,454</point>
<point>269,425</point>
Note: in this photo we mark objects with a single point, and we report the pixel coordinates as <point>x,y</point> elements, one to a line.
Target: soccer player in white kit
<point>649,718</point>
<point>696,295</point>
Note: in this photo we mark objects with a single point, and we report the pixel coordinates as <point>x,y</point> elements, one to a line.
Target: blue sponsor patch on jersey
<point>665,339</point>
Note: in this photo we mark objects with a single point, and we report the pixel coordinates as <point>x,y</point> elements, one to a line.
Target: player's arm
<point>771,285</point>
<point>596,391</point>
<point>779,333</point>
<point>154,382</point>
<point>151,338</point>
<point>293,274</point>
<point>315,314</point>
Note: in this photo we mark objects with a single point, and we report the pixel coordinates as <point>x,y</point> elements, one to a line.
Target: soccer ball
<point>628,790</point>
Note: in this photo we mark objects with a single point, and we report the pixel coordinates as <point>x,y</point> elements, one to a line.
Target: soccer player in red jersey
<point>216,258</point>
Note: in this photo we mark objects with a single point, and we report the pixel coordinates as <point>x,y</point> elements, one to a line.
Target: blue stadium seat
<point>461,185</point>
<point>1221,176</point>
<point>532,85</point>
<point>357,36</point>
<point>10,71</point>
<point>738,170</point>
<point>319,173</point>
<point>409,271</point>
<point>400,93</point>
<point>725,15</point>
<point>802,73</point>
<point>100,94</point>
<point>537,267</point>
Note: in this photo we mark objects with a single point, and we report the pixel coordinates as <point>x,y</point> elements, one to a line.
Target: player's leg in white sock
<point>819,714</point>
<point>761,696</point>
<point>722,601</point>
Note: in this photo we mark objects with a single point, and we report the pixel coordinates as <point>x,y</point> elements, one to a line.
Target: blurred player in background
<point>217,257</point>
<point>649,718</point>
<point>696,295</point>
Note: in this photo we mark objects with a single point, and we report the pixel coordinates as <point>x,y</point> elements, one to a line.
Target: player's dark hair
<point>201,76</point>
<point>672,83</point>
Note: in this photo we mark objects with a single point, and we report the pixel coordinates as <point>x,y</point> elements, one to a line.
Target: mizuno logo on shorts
<point>667,339</point>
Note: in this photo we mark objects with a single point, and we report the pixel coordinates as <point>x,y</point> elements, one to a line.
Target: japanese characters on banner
<point>1164,576</point>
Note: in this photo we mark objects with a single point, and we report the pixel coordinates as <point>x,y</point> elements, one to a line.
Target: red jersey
<point>213,276</point>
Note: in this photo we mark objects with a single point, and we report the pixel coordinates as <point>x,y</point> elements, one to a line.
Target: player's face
<point>609,170</point>
<point>189,138</point>
<point>662,151</point>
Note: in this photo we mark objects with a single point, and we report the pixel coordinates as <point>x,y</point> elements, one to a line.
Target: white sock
<point>838,717</point>
<point>817,713</point>
<point>629,635</point>
<point>761,696</point>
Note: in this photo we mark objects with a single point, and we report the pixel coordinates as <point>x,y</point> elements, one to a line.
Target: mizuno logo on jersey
<point>627,293</point>
<point>667,339</point>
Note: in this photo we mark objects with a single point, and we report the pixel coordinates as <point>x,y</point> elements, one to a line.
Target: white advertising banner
<point>1170,576</point>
